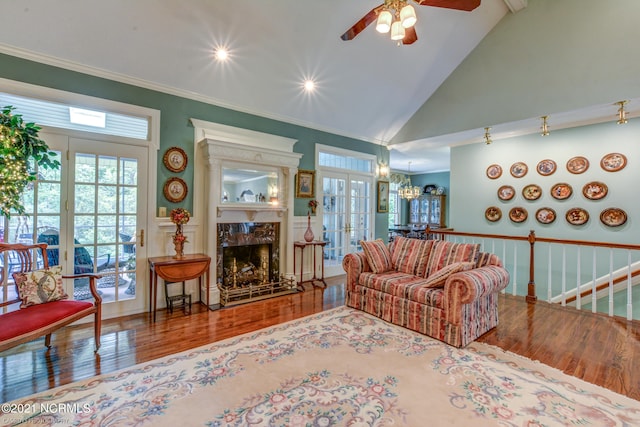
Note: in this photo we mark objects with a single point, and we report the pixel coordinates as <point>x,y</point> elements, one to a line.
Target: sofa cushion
<point>486,258</point>
<point>40,286</point>
<point>405,286</point>
<point>378,255</point>
<point>438,278</point>
<point>444,253</point>
<point>410,255</point>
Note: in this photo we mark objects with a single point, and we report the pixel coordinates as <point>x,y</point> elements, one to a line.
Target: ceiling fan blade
<point>357,28</point>
<point>466,5</point>
<point>410,35</point>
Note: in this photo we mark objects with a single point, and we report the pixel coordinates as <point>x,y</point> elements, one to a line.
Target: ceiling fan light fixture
<point>383,25</point>
<point>408,16</point>
<point>397,31</point>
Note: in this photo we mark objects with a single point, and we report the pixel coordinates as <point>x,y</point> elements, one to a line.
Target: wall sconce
<point>545,127</point>
<point>622,115</point>
<point>487,136</point>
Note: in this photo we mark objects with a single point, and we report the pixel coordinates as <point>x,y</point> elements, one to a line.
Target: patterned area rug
<point>340,367</point>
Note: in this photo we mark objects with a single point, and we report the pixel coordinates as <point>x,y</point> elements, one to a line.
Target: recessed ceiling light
<point>222,54</point>
<point>309,85</point>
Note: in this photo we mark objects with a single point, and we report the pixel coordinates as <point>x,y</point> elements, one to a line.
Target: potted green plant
<point>20,151</point>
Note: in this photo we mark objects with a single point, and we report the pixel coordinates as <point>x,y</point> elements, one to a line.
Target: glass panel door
<point>346,217</point>
<point>90,213</point>
<point>106,219</point>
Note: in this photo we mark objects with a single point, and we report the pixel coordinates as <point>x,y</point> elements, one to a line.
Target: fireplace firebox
<point>248,262</point>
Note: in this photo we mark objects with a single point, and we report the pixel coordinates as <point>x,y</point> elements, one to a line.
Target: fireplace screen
<point>248,254</point>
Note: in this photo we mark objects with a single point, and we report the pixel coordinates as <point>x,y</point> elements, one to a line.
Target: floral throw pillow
<point>40,286</point>
<point>438,278</point>
<point>377,254</point>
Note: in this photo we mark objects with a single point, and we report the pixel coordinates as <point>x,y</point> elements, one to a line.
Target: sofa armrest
<point>354,264</point>
<point>468,286</point>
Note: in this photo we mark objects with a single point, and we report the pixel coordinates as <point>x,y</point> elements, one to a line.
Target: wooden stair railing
<point>533,239</point>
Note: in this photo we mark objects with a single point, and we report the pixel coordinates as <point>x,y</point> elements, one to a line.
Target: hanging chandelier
<point>403,16</point>
<point>407,191</point>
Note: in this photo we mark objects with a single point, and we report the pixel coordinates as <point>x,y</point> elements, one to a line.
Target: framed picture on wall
<point>305,183</point>
<point>383,196</point>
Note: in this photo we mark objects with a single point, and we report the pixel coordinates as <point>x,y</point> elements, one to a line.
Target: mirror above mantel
<point>245,185</point>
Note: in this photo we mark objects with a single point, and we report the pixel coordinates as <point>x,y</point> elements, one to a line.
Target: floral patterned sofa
<point>446,290</point>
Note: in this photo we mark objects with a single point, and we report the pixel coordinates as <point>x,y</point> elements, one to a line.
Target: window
<point>345,161</point>
<point>62,116</point>
<point>394,205</point>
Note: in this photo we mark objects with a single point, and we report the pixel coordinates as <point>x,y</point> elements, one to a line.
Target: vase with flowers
<point>313,204</point>
<point>179,217</point>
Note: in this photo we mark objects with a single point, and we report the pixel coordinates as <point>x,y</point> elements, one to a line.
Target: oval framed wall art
<point>613,217</point>
<point>532,192</point>
<point>493,213</point>
<point>561,191</point>
<point>175,190</point>
<point>518,214</point>
<point>545,215</point>
<point>506,192</point>
<point>519,169</point>
<point>175,159</point>
<point>494,171</point>
<point>595,190</point>
<point>546,167</point>
<point>577,165</point>
<point>577,216</point>
<point>613,162</point>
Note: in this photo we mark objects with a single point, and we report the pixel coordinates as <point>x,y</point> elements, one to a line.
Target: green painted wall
<point>551,57</point>
<point>175,129</point>
<point>472,192</point>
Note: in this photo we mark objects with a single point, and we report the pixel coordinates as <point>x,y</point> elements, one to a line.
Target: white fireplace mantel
<point>249,211</point>
<point>221,146</point>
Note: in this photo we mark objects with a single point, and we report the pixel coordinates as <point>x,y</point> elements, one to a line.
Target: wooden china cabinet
<point>428,209</point>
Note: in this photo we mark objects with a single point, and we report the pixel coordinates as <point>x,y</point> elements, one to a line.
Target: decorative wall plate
<point>595,190</point>
<point>577,216</point>
<point>546,167</point>
<point>532,192</point>
<point>561,191</point>
<point>175,190</point>
<point>545,215</point>
<point>518,214</point>
<point>493,213</point>
<point>494,171</point>
<point>506,192</point>
<point>577,165</point>
<point>429,188</point>
<point>519,169</point>
<point>613,217</point>
<point>613,162</point>
<point>175,159</point>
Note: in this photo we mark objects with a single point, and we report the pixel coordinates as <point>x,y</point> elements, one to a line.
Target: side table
<point>315,244</point>
<point>171,269</point>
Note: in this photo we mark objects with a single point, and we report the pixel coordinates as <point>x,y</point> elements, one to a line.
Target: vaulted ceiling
<point>366,88</point>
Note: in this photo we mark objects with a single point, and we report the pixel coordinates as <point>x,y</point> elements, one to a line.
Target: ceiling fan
<point>401,21</point>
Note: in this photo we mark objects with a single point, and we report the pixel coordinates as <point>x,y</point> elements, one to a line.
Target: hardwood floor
<point>596,348</point>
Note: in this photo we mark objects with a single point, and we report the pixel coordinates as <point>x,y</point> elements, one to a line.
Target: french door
<point>92,214</point>
<point>347,216</point>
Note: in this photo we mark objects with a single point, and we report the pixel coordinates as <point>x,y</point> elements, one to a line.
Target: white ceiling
<point>367,88</point>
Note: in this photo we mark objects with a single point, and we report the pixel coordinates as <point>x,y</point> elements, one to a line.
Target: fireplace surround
<point>264,225</point>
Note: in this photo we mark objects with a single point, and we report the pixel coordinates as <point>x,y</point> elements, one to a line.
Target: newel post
<point>531,288</point>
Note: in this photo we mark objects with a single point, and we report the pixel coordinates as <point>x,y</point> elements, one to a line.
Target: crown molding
<point>170,90</point>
